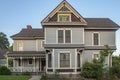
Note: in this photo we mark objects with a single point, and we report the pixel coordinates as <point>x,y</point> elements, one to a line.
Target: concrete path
<point>35,77</point>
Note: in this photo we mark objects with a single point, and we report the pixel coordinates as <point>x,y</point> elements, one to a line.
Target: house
<point>66,41</point>
<point>3,57</point>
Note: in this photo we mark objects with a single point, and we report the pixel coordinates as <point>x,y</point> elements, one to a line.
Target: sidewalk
<point>35,77</point>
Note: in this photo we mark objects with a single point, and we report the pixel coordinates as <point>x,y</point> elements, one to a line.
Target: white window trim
<point>51,61</point>
<point>64,14</point>
<point>94,54</point>
<point>93,38</point>
<point>63,35</point>
<point>59,61</point>
<point>42,43</point>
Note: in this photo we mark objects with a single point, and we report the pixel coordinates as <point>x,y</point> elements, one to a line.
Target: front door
<point>42,64</point>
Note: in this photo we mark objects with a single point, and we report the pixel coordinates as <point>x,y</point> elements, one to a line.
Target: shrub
<point>92,70</point>
<point>44,76</point>
<point>26,73</point>
<point>4,70</point>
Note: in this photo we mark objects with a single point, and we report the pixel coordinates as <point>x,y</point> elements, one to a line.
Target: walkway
<point>35,77</point>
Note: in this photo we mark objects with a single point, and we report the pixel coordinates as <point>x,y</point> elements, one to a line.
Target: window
<point>96,39</point>
<point>20,46</point>
<point>64,36</point>
<point>64,59</point>
<point>96,56</point>
<point>64,17</point>
<point>60,36</point>
<point>49,60</point>
<point>78,60</point>
<point>30,61</point>
<point>67,36</point>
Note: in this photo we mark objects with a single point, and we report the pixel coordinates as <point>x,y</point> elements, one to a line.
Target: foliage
<point>116,60</point>
<point>4,43</point>
<point>4,71</point>
<point>115,71</point>
<point>6,77</point>
<point>95,69</point>
<point>26,73</point>
<point>11,48</point>
<point>10,62</point>
<point>44,76</point>
<point>92,70</point>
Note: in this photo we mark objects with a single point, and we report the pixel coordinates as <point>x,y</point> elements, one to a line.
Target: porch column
<point>7,62</point>
<point>34,63</point>
<point>75,60</point>
<point>21,64</point>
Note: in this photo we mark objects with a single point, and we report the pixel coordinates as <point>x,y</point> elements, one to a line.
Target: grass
<point>5,77</point>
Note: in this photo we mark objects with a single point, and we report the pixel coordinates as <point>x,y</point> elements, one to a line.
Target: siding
<point>106,38</point>
<point>29,45</point>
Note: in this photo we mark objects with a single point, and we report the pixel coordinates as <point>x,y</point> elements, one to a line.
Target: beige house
<point>66,41</point>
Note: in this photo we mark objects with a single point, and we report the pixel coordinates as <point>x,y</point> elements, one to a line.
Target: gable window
<point>95,39</point>
<point>20,46</point>
<point>64,18</point>
<point>49,60</point>
<point>64,36</point>
<point>64,59</point>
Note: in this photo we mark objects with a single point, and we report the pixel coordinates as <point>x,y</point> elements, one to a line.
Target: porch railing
<point>24,69</point>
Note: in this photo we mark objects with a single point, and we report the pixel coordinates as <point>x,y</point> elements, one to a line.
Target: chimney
<point>29,27</point>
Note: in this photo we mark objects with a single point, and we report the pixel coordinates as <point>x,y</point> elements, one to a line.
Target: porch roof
<point>26,54</point>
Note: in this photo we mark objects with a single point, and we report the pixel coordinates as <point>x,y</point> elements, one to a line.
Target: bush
<point>4,70</point>
<point>115,71</point>
<point>26,73</point>
<point>92,70</point>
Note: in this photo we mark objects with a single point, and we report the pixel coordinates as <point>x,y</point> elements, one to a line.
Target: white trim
<point>83,36</point>
<point>98,39</point>
<point>45,34</point>
<point>63,35</point>
<point>94,54</point>
<point>76,60</point>
<point>42,43</point>
<point>81,56</point>
<point>46,62</point>
<point>53,63</point>
<point>37,44</point>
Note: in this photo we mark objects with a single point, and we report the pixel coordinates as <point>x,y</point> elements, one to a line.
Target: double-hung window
<point>20,46</point>
<point>95,38</point>
<point>64,36</point>
<point>64,59</point>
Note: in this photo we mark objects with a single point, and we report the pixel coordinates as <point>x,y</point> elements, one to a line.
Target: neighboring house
<point>66,41</point>
<point>3,57</point>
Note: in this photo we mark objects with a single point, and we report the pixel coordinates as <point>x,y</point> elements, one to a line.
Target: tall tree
<point>4,43</point>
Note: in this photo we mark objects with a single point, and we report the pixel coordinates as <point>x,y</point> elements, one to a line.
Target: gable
<point>64,8</point>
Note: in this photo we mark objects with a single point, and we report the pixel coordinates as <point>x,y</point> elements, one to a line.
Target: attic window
<point>64,18</point>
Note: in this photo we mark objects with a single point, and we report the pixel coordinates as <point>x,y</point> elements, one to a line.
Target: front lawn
<point>14,77</point>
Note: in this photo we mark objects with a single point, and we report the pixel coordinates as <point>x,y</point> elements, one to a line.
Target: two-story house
<point>66,41</point>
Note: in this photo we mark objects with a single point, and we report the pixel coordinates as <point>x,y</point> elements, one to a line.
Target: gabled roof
<point>29,34</point>
<point>103,23</point>
<point>64,7</point>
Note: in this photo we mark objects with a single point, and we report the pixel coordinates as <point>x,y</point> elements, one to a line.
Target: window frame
<point>60,60</point>
<point>30,61</point>
<point>69,15</point>
<point>64,36</point>
<point>96,53</point>
<point>48,61</point>
<point>98,39</point>
<point>20,45</point>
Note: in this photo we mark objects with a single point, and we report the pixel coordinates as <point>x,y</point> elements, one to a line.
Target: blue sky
<point>16,14</point>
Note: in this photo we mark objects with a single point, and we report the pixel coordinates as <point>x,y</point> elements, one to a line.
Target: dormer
<point>64,14</point>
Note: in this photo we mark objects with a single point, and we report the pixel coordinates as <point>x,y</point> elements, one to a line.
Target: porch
<point>27,61</point>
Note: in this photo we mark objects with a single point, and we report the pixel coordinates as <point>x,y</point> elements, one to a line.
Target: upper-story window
<point>64,36</point>
<point>20,46</point>
<point>64,17</point>
<point>96,39</point>
<point>96,56</point>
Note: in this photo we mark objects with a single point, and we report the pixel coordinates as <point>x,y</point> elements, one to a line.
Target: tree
<point>4,43</point>
<point>11,48</point>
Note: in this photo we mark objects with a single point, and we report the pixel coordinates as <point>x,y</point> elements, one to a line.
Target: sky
<point>16,14</point>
